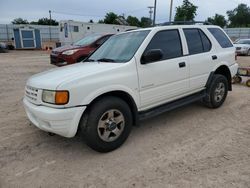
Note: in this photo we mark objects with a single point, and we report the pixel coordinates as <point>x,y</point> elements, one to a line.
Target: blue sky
<point>84,10</point>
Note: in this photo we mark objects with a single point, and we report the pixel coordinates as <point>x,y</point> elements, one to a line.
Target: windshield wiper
<point>106,60</point>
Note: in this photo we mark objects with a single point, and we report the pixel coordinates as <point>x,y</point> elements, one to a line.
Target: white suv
<point>132,76</point>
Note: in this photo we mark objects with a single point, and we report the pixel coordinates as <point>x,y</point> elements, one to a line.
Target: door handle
<point>214,57</point>
<point>182,64</point>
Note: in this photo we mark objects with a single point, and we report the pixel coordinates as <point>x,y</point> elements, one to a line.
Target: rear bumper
<point>63,122</point>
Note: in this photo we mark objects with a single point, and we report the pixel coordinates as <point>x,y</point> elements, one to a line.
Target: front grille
<point>55,59</point>
<point>238,48</point>
<point>32,94</point>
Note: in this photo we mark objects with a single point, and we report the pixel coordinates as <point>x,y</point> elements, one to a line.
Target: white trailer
<point>72,31</point>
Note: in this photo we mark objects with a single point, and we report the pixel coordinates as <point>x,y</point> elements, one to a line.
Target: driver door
<point>167,79</point>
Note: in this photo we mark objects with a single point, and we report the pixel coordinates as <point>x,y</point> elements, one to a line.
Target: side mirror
<point>151,56</point>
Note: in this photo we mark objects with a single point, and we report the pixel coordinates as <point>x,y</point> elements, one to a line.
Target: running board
<point>171,105</point>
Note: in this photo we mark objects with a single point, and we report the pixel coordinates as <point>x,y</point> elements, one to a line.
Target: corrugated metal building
<point>235,33</point>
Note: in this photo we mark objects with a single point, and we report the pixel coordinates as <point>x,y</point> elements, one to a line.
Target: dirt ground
<point>190,147</point>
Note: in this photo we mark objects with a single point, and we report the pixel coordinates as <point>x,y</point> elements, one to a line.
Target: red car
<point>78,51</point>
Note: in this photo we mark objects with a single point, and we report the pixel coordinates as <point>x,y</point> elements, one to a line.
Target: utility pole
<point>150,12</point>
<point>171,9</point>
<point>154,13</point>
<point>50,25</point>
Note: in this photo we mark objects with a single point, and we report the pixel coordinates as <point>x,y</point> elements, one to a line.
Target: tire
<point>107,125</point>
<point>248,83</point>
<point>248,52</point>
<point>216,92</point>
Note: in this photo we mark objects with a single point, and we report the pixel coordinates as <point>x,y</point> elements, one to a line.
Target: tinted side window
<point>169,42</point>
<point>194,41</point>
<point>205,41</point>
<point>220,37</point>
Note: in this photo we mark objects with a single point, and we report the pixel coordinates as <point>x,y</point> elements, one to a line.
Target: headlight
<point>70,52</point>
<point>245,48</point>
<point>55,97</point>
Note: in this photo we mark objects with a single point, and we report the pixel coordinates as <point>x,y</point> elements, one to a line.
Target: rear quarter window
<point>197,41</point>
<point>220,37</point>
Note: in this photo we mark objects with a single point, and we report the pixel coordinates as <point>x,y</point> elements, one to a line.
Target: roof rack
<point>186,23</point>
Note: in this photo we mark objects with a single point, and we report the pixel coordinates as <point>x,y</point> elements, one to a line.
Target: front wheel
<point>107,125</point>
<point>216,92</point>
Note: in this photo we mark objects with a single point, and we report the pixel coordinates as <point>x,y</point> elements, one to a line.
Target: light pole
<point>150,13</point>
<point>50,25</point>
<point>154,13</point>
<point>171,9</point>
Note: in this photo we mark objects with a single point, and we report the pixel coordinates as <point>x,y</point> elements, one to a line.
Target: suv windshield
<point>87,40</point>
<point>119,48</point>
<point>243,42</point>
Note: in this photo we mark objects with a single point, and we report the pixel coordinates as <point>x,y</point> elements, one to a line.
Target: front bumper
<point>56,60</point>
<point>61,60</point>
<point>63,122</point>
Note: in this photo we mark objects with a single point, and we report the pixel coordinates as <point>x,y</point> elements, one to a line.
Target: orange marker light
<point>62,97</point>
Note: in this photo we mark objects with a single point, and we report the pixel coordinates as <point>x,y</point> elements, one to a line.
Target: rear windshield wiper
<point>106,60</point>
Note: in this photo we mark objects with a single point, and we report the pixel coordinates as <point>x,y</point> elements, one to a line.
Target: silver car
<point>242,47</point>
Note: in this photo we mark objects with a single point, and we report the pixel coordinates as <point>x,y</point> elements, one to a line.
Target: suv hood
<point>54,77</point>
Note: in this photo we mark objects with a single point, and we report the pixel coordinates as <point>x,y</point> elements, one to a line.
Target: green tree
<point>217,20</point>
<point>110,18</point>
<point>146,22</point>
<point>185,12</point>
<point>19,21</point>
<point>133,21</point>
<point>240,16</point>
<point>46,21</point>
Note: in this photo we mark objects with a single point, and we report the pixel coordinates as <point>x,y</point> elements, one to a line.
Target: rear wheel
<point>107,125</point>
<point>217,91</point>
<point>248,52</point>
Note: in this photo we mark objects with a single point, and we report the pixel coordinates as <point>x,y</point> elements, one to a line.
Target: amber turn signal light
<point>61,97</point>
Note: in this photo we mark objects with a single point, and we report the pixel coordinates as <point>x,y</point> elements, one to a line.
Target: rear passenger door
<point>167,79</point>
<point>201,57</point>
